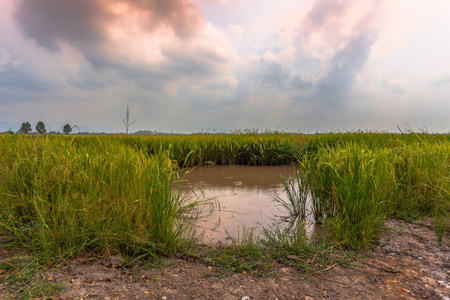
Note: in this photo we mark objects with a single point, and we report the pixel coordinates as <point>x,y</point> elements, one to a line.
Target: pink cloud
<point>325,14</point>
<point>183,16</point>
<point>86,21</point>
<point>163,39</point>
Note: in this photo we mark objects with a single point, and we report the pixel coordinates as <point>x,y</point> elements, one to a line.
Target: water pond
<point>244,198</point>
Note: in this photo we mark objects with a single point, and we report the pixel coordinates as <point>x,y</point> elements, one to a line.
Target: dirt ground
<point>408,263</point>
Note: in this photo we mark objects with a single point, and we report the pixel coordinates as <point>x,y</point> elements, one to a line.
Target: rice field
<point>66,194</point>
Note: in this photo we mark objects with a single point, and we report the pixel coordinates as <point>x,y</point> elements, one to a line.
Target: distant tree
<point>67,129</point>
<point>40,127</point>
<point>126,120</point>
<point>25,128</point>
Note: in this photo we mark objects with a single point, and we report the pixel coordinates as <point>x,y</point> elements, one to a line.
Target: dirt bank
<point>408,263</point>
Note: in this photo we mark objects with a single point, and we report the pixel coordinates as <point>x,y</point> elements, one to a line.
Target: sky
<point>222,65</point>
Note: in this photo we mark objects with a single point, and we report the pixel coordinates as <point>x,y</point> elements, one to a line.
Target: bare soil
<point>407,263</point>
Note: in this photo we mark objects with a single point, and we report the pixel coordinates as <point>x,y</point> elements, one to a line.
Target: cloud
<point>13,74</point>
<point>6,62</point>
<point>20,79</point>
<point>182,16</point>
<point>135,38</point>
<point>344,66</point>
<point>86,22</point>
<point>49,22</point>
<point>443,81</point>
<point>396,86</point>
<point>325,14</point>
<point>226,91</point>
<point>236,31</point>
<point>301,83</point>
<point>319,54</point>
<point>341,34</point>
<point>313,64</point>
<point>272,72</point>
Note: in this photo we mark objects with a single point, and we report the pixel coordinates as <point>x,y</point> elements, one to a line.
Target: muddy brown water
<point>244,197</point>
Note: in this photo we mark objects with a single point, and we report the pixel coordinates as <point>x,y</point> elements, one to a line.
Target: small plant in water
<point>297,192</point>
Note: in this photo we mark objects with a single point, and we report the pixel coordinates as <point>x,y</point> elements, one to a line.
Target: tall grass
<point>357,187</point>
<point>58,196</point>
<point>353,185</point>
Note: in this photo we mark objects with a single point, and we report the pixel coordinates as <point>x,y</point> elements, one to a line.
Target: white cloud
<point>236,31</point>
<point>6,62</point>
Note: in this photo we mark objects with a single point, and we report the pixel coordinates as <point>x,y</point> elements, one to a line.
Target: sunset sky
<point>188,65</point>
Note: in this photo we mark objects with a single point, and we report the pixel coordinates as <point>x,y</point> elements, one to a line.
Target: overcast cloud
<point>188,65</point>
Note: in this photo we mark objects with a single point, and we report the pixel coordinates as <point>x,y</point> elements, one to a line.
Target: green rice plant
<point>296,191</point>
<point>240,149</point>
<point>439,225</point>
<point>441,201</point>
<point>423,177</point>
<point>362,180</point>
<point>320,193</point>
<point>356,187</point>
<point>259,149</point>
<point>353,183</point>
<point>65,195</point>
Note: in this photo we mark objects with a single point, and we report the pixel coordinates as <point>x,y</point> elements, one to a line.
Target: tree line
<point>25,128</point>
<point>67,129</point>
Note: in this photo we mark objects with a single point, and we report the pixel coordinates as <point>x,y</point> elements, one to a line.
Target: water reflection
<point>244,195</point>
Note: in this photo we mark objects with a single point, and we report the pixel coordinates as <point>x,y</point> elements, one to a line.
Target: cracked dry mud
<point>407,263</point>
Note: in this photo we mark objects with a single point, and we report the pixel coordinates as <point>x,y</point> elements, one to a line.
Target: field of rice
<point>66,194</point>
